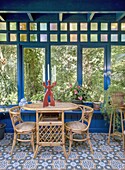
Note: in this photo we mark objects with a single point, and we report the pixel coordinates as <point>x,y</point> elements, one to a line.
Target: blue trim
<point>20,73</point>
<point>108,65</point>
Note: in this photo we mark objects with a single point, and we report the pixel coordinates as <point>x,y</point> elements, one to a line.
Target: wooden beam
<point>1,18</point>
<point>90,16</point>
<point>30,16</point>
<point>119,16</point>
<point>54,6</point>
<point>60,17</point>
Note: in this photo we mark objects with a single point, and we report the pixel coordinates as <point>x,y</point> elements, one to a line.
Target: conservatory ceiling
<point>62,10</point>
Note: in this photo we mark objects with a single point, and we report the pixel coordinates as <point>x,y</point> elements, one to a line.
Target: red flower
<point>75,92</point>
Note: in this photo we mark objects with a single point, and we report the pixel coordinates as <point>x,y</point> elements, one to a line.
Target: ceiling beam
<point>55,6</point>
<point>60,17</point>
<point>90,16</point>
<point>119,16</point>
<point>30,16</point>
<point>1,18</point>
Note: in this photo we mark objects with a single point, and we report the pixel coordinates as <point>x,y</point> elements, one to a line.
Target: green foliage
<point>33,61</point>
<point>8,87</point>
<point>65,59</point>
<point>72,92</point>
<point>37,97</point>
<point>62,93</point>
<point>93,62</point>
<point>117,86</point>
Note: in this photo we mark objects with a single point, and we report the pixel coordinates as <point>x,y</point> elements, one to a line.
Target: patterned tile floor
<point>105,156</point>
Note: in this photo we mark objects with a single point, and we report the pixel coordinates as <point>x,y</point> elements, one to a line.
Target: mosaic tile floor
<point>105,156</point>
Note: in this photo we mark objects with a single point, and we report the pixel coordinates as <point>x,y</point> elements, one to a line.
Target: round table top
<point>59,106</point>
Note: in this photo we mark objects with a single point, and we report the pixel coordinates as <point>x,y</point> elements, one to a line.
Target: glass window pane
<point>23,37</point>
<point>33,37</point>
<point>114,26</point>
<point>13,37</point>
<point>3,37</point>
<point>33,26</point>
<point>53,26</point>
<point>64,58</point>
<point>23,26</point>
<point>63,37</point>
<point>73,37</point>
<point>114,37</point>
<point>63,26</point>
<point>94,27</point>
<point>104,26</point>
<point>93,37</point>
<point>13,26</point>
<point>123,26</point>
<point>93,66</point>
<point>3,26</point>
<point>43,26</point>
<point>104,37</point>
<point>53,37</point>
<point>8,74</point>
<point>118,66</point>
<point>43,37</point>
<point>34,59</point>
<point>73,26</point>
<point>83,37</point>
<point>123,37</point>
<point>83,26</point>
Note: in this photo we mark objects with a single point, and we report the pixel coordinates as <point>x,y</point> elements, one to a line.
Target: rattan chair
<point>79,130</point>
<point>21,128</point>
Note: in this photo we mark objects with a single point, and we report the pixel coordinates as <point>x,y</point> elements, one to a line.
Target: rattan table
<point>50,123</point>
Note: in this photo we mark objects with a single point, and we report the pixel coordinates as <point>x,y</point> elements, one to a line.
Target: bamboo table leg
<point>63,137</point>
<point>110,127</point>
<point>37,135</point>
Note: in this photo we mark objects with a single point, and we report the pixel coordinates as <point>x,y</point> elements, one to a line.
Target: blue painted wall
<point>98,123</point>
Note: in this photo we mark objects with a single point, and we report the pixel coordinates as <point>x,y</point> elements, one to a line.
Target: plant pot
<point>96,105</point>
<point>77,101</point>
<point>2,130</point>
<point>118,98</point>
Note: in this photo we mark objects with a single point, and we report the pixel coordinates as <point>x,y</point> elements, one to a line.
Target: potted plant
<point>114,96</point>
<point>71,93</point>
<point>96,102</point>
<point>79,94</point>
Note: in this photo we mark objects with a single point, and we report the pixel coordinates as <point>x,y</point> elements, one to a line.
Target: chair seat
<point>25,126</point>
<point>76,126</point>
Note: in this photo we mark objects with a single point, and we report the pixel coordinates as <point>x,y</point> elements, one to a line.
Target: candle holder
<point>49,93</point>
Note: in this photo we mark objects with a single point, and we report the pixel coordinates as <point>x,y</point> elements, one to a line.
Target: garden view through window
<point>65,60</point>
<point>93,68</point>
<point>34,59</point>
<point>8,74</point>
<point>118,66</point>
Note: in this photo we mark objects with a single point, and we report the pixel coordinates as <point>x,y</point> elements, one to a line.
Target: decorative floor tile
<point>105,157</point>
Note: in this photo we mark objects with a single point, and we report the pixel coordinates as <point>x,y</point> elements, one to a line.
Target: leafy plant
<point>115,95</point>
<point>71,92</point>
<point>38,97</point>
<point>7,88</point>
<point>79,92</point>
